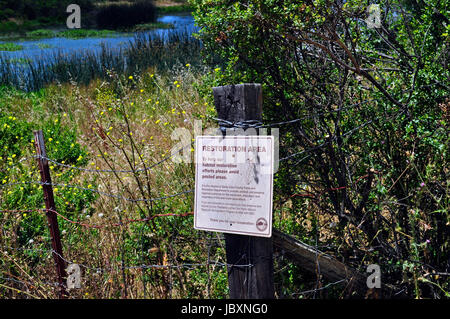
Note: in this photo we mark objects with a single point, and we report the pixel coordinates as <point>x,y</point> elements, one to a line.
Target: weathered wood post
<point>50,212</point>
<point>252,275</point>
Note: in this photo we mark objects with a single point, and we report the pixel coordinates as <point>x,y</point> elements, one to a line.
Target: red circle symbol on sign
<point>261,224</point>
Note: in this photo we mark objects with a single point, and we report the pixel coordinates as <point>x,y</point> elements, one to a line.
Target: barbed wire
<point>348,133</point>
<point>111,170</point>
<point>258,124</point>
<point>14,165</point>
<point>15,184</point>
<point>112,269</point>
<point>321,288</point>
<point>126,222</point>
<point>141,266</point>
<point>166,266</point>
<point>97,226</point>
<point>32,284</point>
<point>99,191</point>
<point>117,196</point>
<point>314,196</point>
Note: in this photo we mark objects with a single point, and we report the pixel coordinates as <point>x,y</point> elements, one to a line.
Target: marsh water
<point>45,49</point>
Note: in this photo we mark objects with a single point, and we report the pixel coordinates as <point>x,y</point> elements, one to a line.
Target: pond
<point>47,49</point>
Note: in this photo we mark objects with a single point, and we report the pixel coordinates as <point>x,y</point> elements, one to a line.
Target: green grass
<point>18,61</point>
<point>71,33</point>
<point>150,106</point>
<point>85,33</point>
<point>91,33</point>
<point>11,27</point>
<point>175,9</point>
<point>40,33</point>
<point>152,26</point>
<point>10,47</point>
<point>44,46</point>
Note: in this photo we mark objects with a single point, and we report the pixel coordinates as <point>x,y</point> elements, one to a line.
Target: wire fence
<point>213,268</point>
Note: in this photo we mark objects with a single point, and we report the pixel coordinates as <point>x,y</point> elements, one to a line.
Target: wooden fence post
<point>50,212</point>
<point>239,103</point>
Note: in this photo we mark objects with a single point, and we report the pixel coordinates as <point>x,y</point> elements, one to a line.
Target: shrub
<point>40,33</point>
<point>119,16</point>
<point>369,143</point>
<point>9,26</point>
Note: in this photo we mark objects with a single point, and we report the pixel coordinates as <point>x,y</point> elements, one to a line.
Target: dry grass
<point>126,124</point>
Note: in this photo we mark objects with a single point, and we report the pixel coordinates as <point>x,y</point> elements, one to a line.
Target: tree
<point>32,9</point>
<point>368,145</point>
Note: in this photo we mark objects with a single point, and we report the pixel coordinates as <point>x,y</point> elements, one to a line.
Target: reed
<point>145,50</point>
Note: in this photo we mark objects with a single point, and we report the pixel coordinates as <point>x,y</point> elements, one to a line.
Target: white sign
<point>234,184</point>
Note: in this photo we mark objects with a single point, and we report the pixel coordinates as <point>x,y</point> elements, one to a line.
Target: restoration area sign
<point>234,184</point>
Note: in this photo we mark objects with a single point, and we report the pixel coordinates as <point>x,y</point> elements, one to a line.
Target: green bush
<point>122,16</point>
<point>40,33</point>
<point>9,26</point>
<point>370,147</point>
<point>6,13</point>
<point>19,175</point>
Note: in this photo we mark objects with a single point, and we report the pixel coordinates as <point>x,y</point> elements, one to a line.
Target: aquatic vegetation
<point>144,51</point>
<point>10,47</point>
<point>44,46</point>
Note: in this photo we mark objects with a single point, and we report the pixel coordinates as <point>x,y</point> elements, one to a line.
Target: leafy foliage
<point>126,15</point>
<point>371,149</point>
<point>39,10</point>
